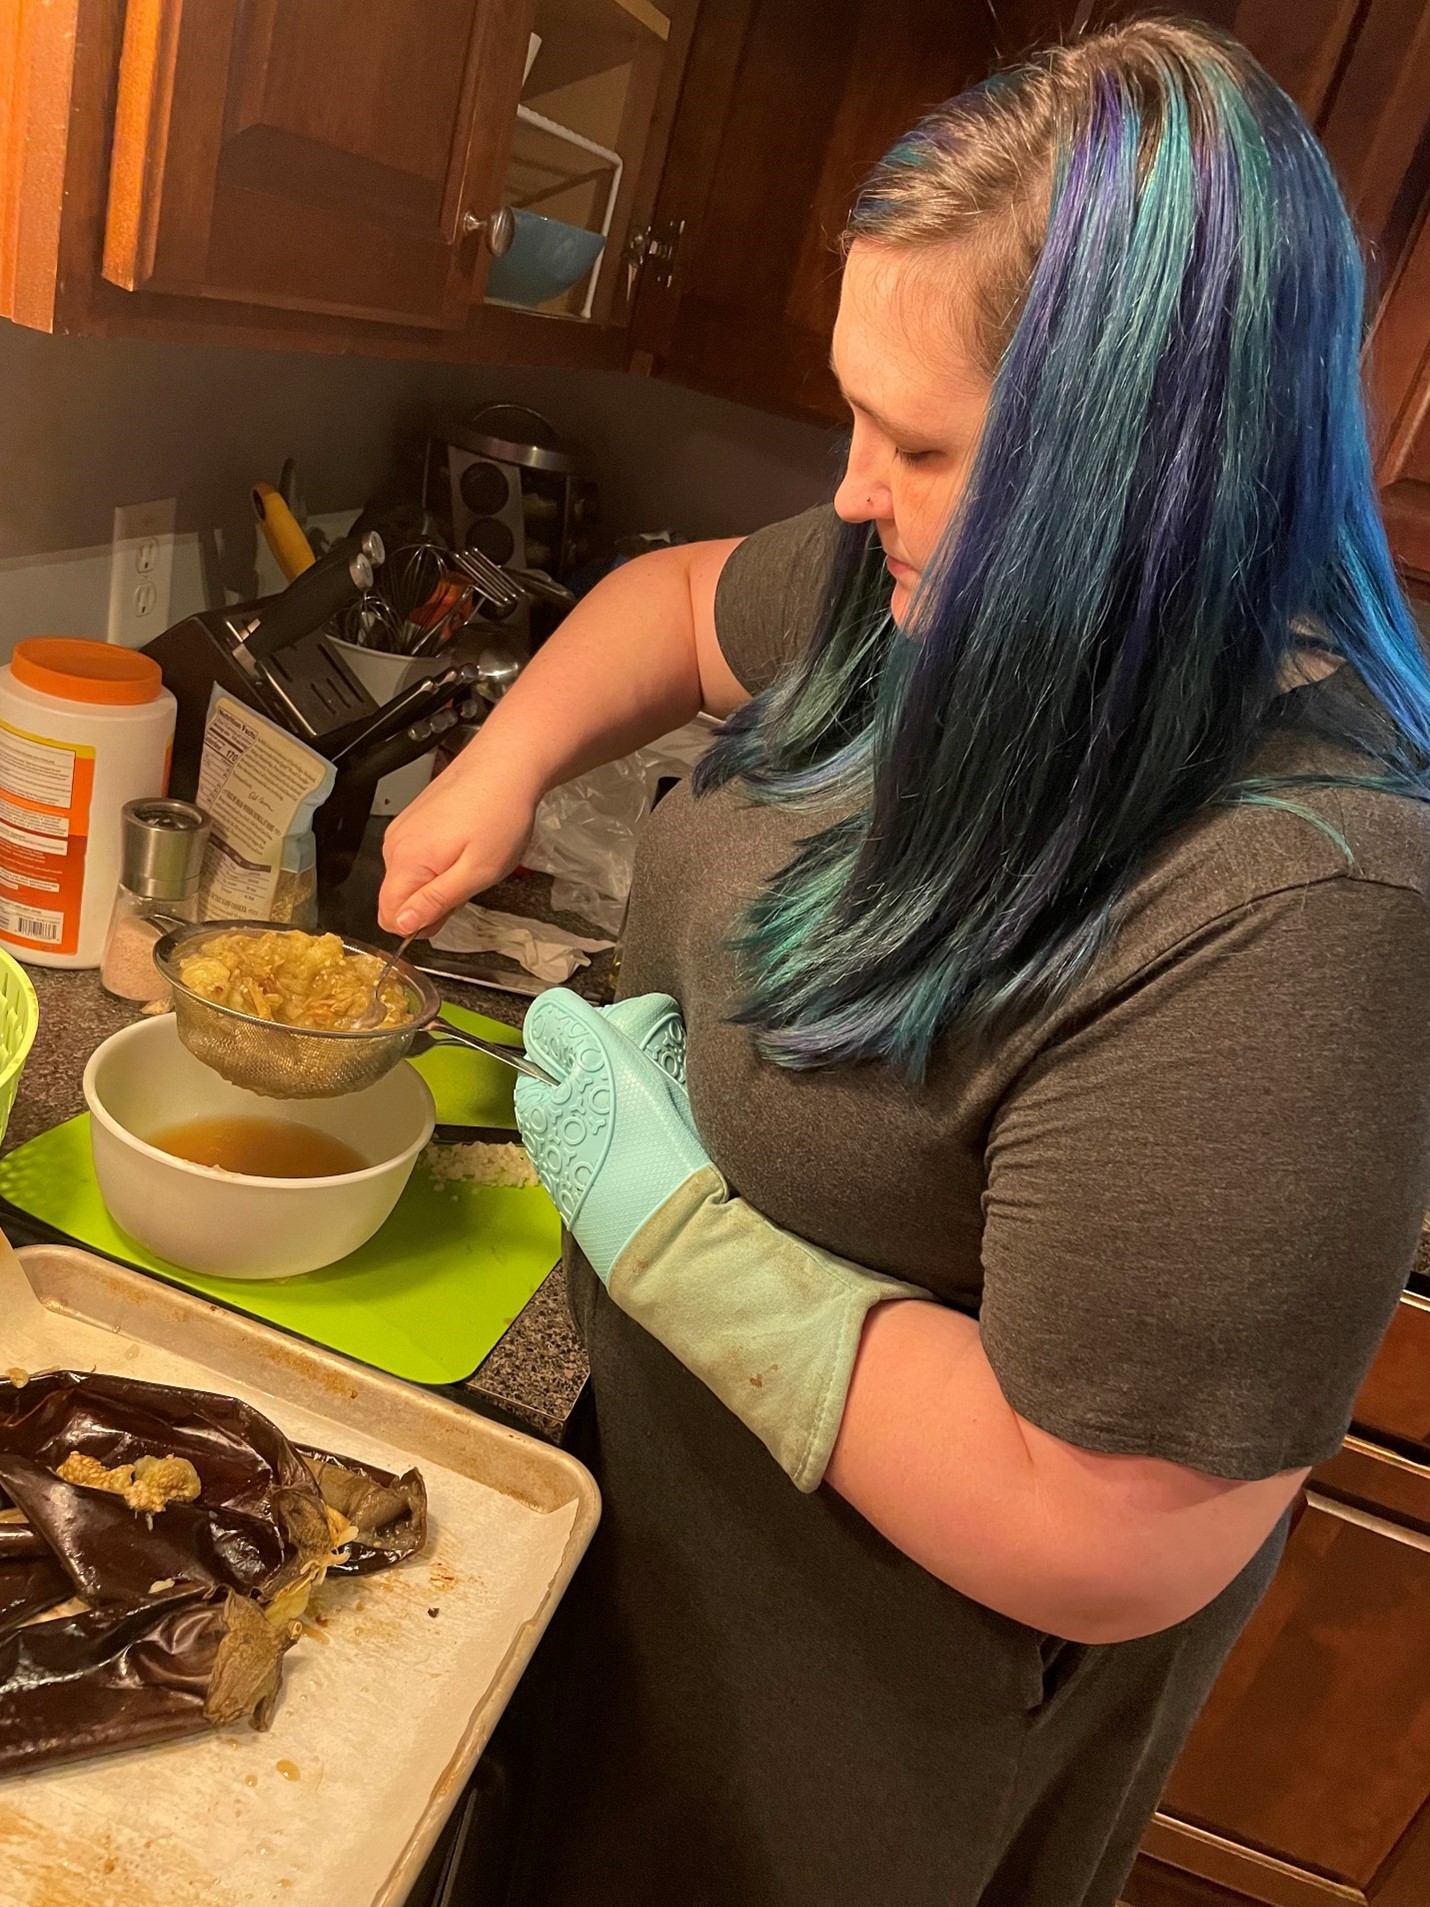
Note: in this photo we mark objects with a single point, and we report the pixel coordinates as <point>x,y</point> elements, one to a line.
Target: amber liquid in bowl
<point>260,1148</point>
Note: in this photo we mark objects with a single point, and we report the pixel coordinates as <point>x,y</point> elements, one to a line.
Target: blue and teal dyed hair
<point>1172,488</point>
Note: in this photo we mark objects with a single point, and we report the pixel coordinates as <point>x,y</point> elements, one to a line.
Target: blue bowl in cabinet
<point>545,258</point>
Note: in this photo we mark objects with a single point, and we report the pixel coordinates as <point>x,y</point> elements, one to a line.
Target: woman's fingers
<point>426,882</point>
<point>404,881</point>
<point>418,897</point>
<point>421,913</point>
<point>461,836</point>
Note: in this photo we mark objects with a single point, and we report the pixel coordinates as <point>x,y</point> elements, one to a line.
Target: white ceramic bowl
<point>143,1081</point>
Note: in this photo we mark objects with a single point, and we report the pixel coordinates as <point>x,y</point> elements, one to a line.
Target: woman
<point>1050,936</point>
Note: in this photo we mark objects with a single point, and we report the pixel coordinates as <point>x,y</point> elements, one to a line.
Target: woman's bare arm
<point>1091,1547</point>
<point>636,658</point>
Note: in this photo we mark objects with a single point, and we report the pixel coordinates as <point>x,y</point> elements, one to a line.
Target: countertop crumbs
<point>480,1164</point>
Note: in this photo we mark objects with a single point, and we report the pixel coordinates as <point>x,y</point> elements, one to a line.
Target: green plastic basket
<point>19,1019</point>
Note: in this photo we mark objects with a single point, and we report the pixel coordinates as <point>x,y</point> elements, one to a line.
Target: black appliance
<point>511,487</point>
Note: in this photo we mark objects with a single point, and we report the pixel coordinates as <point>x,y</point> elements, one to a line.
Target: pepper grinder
<point>162,846</point>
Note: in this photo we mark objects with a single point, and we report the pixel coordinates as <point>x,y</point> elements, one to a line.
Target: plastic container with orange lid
<point>84,727</point>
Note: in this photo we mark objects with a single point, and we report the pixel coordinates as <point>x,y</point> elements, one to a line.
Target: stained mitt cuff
<point>768,1321</point>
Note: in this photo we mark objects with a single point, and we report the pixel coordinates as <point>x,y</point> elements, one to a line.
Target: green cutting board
<point>426,1298</point>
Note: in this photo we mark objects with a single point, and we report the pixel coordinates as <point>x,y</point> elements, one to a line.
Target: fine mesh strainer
<point>291,1062</point>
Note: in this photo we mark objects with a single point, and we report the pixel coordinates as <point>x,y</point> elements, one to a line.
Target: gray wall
<point>86,424</point>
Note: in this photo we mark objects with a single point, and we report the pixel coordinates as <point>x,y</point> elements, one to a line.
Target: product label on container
<point>257,783</point>
<point>45,790</point>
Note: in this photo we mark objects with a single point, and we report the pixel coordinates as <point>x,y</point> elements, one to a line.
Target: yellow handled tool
<point>282,532</point>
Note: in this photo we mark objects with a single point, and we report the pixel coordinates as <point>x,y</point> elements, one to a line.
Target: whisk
<point>419,601</point>
<point>408,579</point>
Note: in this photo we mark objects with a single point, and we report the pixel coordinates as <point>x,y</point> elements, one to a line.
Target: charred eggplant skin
<point>179,1635</point>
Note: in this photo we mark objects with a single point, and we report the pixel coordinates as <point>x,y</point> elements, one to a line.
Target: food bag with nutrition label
<point>261,787</point>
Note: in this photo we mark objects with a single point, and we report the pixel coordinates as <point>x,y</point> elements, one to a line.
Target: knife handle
<point>282,531</point>
<point>420,699</point>
<point>336,579</point>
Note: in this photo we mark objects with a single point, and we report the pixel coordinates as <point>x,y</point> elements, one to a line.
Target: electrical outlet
<point>141,572</point>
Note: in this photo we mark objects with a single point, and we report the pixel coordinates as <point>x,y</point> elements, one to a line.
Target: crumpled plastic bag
<point>587,829</point>
<point>548,952</point>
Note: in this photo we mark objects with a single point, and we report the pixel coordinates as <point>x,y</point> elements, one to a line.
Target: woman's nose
<point>863,493</point>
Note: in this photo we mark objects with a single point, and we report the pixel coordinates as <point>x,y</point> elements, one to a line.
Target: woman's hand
<point>636,658</point>
<point>462,834</point>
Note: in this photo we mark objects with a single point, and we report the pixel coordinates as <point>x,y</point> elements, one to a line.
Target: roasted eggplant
<point>193,1531</point>
<point>85,1685</point>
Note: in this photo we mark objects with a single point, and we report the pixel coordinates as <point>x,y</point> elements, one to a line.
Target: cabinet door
<point>1400,358</point>
<point>1393,1407</point>
<point>331,156</point>
<point>588,151</point>
<point>786,104</point>
<point>1307,1779</point>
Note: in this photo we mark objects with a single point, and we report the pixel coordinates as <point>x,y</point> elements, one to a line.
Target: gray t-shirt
<point>1182,1206</point>
<point>1184,1203</point>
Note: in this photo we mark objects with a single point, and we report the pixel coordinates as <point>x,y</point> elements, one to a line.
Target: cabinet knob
<point>497,231</point>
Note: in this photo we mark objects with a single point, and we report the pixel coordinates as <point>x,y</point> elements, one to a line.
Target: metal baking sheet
<point>391,1694</point>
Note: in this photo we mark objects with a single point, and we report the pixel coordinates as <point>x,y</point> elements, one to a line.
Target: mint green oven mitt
<point>768,1321</point>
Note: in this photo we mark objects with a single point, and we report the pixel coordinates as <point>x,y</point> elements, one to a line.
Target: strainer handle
<point>442,1033</point>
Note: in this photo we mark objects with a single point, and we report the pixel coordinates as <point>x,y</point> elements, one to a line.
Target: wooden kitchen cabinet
<point>313,173</point>
<point>1362,76</point>
<point>797,98</point>
<point>591,131</point>
<point>1402,363</point>
<point>297,172</point>
<point>320,155</point>
<point>1306,1781</point>
<point>793,101</point>
<point>302,172</point>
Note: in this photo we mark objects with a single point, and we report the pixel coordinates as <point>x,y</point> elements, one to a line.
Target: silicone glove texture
<point>614,1138</point>
<point>768,1321</point>
<point>653,1022</point>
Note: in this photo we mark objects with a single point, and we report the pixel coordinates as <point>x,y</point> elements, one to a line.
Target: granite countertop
<point>531,1379</point>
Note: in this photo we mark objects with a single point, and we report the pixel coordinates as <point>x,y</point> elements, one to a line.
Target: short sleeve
<point>769,595</point>
<point>1202,1203</point>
